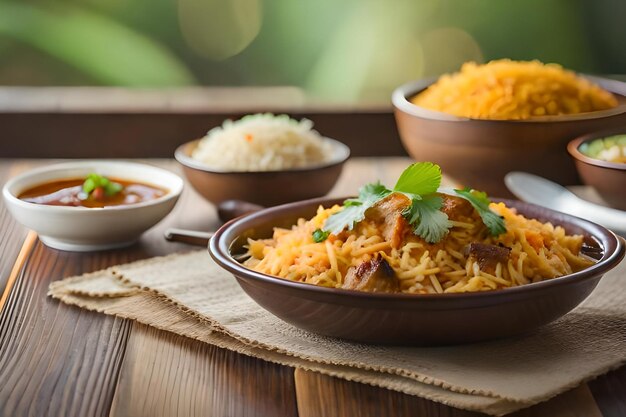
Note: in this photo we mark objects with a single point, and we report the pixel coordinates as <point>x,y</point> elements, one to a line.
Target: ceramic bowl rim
<point>400,100</point>
<point>574,145</point>
<point>341,153</point>
<point>173,193</point>
<point>219,251</point>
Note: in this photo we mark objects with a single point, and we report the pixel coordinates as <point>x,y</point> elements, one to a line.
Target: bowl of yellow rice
<point>486,120</point>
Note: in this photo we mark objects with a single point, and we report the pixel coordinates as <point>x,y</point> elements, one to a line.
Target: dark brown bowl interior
<point>412,319</point>
<point>608,178</point>
<point>266,188</point>
<point>479,153</point>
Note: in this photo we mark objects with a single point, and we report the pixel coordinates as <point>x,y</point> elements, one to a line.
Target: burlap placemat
<point>190,295</point>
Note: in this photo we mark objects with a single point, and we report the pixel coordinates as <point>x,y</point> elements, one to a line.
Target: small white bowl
<point>84,229</point>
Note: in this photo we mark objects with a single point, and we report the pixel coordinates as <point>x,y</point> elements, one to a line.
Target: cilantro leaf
<point>89,185</point>
<point>319,235</point>
<point>354,209</point>
<point>419,178</point>
<point>345,218</point>
<point>427,219</point>
<point>419,182</point>
<point>479,200</point>
<point>373,192</point>
<point>112,188</point>
<point>94,181</point>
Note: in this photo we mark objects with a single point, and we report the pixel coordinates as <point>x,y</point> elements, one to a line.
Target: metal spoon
<point>540,191</point>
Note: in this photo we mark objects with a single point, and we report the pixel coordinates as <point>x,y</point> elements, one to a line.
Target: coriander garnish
<point>319,235</point>
<point>98,186</point>
<point>354,208</point>
<point>480,201</point>
<point>419,182</point>
<point>427,219</point>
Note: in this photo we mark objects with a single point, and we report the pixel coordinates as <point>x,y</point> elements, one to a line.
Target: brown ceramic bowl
<point>266,188</point>
<point>412,319</point>
<point>480,152</point>
<point>608,178</point>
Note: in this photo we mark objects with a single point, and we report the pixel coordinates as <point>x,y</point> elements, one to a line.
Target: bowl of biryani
<point>600,158</point>
<point>386,278</point>
<point>487,120</point>
<point>263,159</point>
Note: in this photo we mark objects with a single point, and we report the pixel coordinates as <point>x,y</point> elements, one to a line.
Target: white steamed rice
<point>263,142</point>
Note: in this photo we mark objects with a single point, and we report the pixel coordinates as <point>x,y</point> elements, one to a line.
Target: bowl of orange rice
<point>408,314</point>
<point>488,120</point>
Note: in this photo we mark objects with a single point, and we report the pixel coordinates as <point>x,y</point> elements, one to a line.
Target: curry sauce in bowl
<point>70,193</point>
<point>92,205</point>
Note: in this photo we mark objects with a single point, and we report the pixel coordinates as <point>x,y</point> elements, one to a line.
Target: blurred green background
<point>345,51</point>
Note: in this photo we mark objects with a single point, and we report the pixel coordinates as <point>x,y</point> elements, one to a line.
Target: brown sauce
<point>69,193</point>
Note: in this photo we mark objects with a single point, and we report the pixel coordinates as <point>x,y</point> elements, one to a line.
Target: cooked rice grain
<point>539,251</point>
<point>509,90</point>
<point>263,142</point>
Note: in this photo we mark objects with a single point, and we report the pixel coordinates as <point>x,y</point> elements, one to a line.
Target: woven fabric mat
<point>190,295</point>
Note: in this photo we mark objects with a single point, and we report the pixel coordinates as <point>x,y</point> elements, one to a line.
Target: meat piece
<point>388,212</point>
<point>488,256</point>
<point>375,275</point>
<point>456,207</point>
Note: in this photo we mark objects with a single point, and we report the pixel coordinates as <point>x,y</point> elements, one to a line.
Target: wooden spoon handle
<point>191,237</point>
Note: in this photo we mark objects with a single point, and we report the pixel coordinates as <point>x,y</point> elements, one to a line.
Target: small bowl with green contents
<point>600,159</point>
<point>93,204</point>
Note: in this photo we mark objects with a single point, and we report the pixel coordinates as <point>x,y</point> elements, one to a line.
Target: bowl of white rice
<point>263,159</point>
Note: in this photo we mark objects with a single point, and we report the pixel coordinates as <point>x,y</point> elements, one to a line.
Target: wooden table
<point>59,360</point>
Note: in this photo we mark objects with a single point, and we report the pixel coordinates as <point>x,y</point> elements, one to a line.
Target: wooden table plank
<point>18,266</point>
<point>326,396</point>
<point>54,359</point>
<point>167,375</point>
<point>610,393</point>
<point>321,395</point>
<point>61,360</point>
<point>13,234</point>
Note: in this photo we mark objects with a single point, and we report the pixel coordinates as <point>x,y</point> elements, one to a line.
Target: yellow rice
<point>509,90</point>
<point>539,251</point>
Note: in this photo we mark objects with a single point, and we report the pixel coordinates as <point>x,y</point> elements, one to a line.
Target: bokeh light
<point>219,29</point>
<point>446,49</point>
<point>373,51</point>
<point>349,51</point>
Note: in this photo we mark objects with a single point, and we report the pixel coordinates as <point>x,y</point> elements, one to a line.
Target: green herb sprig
<point>419,182</point>
<point>481,202</point>
<point>94,182</point>
<point>354,208</point>
<point>319,235</point>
